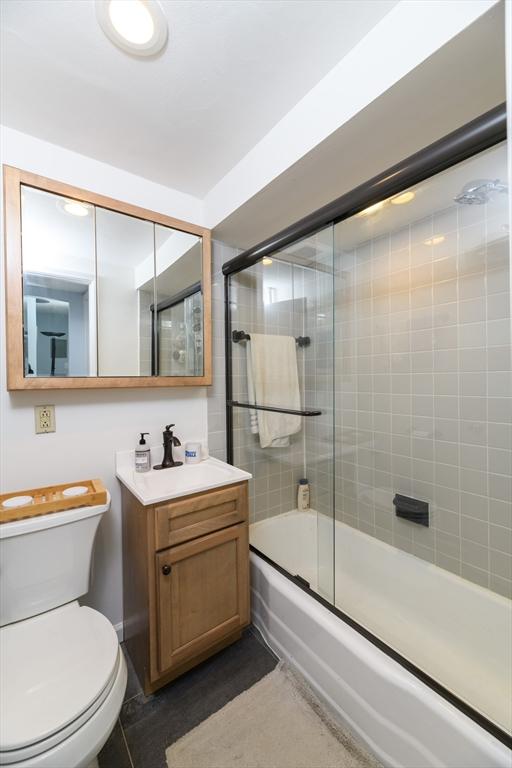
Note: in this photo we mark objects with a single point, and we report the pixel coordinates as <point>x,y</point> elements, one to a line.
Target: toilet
<point>62,671</point>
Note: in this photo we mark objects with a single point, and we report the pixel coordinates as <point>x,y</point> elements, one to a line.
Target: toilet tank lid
<point>53,668</point>
<point>33,524</point>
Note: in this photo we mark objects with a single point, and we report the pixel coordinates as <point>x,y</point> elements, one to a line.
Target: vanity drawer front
<point>186,519</point>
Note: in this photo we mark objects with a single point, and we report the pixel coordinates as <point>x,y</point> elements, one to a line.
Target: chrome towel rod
<point>302,341</point>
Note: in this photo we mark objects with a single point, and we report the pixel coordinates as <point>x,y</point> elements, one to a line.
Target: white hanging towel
<point>253,415</point>
<point>272,379</point>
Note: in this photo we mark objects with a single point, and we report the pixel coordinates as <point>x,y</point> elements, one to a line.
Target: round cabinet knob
<point>166,569</point>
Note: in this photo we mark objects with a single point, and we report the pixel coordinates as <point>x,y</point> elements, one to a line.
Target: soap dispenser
<point>142,455</point>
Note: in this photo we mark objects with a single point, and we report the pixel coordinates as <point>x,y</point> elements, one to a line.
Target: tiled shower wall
<point>302,305</point>
<point>319,370</point>
<point>275,471</point>
<point>423,389</point>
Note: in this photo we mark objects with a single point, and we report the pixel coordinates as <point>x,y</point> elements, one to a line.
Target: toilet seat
<point>57,669</point>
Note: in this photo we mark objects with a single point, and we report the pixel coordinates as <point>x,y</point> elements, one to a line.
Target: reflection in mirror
<point>125,274</point>
<point>51,352</point>
<point>178,347</point>
<point>59,317</point>
<point>106,293</point>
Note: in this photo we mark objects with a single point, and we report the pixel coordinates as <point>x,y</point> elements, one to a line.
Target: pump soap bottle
<point>142,455</point>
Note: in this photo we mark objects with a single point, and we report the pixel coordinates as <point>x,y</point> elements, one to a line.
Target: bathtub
<point>401,600</point>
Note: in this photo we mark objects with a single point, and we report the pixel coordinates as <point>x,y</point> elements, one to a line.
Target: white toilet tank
<point>45,561</point>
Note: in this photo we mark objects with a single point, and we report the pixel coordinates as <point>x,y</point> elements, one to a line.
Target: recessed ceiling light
<point>74,207</point>
<point>372,208</point>
<point>136,26</point>
<point>405,197</point>
<point>434,240</point>
<point>266,260</point>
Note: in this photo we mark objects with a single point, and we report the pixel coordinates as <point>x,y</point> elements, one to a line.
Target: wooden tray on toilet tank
<point>53,498</point>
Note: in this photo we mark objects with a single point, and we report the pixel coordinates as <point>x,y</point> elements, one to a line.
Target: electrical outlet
<point>45,418</point>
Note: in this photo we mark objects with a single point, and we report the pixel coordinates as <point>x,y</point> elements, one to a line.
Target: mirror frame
<point>14,178</point>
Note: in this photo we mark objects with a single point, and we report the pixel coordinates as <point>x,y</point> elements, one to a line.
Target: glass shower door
<point>424,435</point>
<point>290,296</point>
<point>318,282</point>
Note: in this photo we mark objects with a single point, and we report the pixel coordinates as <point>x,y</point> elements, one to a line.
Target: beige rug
<point>278,723</point>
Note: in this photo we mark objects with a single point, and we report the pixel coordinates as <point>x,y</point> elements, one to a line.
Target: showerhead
<point>478,192</point>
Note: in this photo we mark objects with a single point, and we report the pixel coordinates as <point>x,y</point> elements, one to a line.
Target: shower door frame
<point>474,137</point>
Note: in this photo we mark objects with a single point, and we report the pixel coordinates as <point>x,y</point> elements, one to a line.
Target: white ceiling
<point>461,81</point>
<point>231,70</point>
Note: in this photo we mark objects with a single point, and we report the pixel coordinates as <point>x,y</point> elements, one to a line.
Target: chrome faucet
<point>169,442</point>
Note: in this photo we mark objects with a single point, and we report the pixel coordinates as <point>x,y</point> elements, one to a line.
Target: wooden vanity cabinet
<point>185,580</point>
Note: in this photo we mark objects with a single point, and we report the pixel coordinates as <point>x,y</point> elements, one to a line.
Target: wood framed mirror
<point>101,293</point>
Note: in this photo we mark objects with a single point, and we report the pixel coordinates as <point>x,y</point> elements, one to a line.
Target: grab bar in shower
<point>302,341</point>
<point>253,406</point>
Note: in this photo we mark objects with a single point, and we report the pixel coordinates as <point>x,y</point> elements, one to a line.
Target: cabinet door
<point>202,594</point>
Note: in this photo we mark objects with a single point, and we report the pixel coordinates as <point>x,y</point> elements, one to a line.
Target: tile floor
<point>149,724</point>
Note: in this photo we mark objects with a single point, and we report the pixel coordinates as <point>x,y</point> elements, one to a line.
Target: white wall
<point>91,425</point>
<point>118,321</point>
<point>32,154</point>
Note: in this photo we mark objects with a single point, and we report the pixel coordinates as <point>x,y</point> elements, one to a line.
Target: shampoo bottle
<point>142,455</point>
<point>303,495</point>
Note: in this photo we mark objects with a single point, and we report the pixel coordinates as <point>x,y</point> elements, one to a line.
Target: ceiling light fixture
<point>266,261</point>
<point>75,208</point>
<point>405,197</point>
<point>436,240</point>
<point>138,27</point>
<point>372,209</point>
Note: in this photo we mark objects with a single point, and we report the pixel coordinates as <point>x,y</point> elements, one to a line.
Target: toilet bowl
<point>62,672</point>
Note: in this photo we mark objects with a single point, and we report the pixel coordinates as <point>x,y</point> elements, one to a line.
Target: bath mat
<point>278,723</point>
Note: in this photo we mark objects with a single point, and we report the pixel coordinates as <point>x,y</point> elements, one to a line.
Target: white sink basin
<point>159,485</point>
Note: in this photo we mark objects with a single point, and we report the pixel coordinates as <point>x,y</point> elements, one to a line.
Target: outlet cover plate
<point>45,418</point>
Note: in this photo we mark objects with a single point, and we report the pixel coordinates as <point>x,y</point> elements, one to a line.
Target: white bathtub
<point>457,632</point>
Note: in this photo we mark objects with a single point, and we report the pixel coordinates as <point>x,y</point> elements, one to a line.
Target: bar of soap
<point>75,490</point>
<point>17,501</point>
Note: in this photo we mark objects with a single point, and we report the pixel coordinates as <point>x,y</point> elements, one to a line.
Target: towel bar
<point>253,406</point>
<point>302,341</point>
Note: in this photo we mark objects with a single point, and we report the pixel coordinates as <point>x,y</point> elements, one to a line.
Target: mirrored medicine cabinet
<point>100,293</point>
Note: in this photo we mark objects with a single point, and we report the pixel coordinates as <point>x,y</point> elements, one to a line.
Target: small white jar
<point>192,453</point>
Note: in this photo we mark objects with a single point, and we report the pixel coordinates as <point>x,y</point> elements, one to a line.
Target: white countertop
<point>160,485</point>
